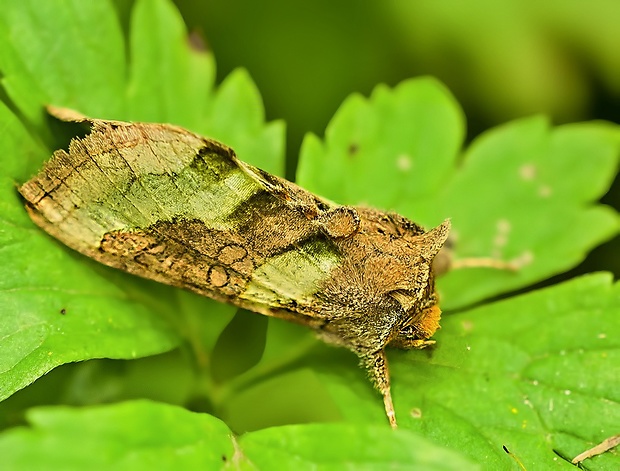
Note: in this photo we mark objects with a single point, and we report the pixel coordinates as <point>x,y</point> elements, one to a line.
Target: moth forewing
<point>163,203</point>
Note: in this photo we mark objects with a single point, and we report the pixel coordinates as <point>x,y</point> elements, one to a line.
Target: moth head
<point>416,296</point>
<point>418,329</point>
<point>421,315</point>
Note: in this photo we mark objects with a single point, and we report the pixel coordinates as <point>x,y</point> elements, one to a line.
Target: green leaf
<point>57,308</point>
<point>543,386</point>
<point>63,53</point>
<point>129,436</point>
<point>236,116</point>
<point>169,81</point>
<point>60,306</point>
<point>535,203</point>
<point>537,373</point>
<point>357,447</point>
<point>396,149</point>
<point>521,192</point>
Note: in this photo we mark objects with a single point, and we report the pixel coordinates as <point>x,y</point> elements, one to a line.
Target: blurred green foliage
<point>502,59</point>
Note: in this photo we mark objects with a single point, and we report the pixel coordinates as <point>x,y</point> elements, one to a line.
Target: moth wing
<point>334,220</point>
<point>292,279</point>
<point>166,204</point>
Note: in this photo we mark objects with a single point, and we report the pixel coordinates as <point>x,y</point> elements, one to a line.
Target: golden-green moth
<point>164,203</point>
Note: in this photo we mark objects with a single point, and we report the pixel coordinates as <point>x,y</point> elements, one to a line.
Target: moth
<point>164,203</point>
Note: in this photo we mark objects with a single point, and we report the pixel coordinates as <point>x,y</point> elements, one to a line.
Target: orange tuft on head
<point>429,321</point>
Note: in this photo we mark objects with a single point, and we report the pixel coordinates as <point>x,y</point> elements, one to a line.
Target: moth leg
<point>377,366</point>
<point>484,263</point>
<point>444,262</point>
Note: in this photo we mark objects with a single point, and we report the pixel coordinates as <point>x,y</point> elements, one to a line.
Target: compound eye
<point>407,332</point>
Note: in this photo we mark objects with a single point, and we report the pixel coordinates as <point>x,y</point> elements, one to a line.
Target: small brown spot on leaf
<point>403,163</point>
<point>527,172</point>
<point>197,42</point>
<point>545,191</point>
<point>467,326</point>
